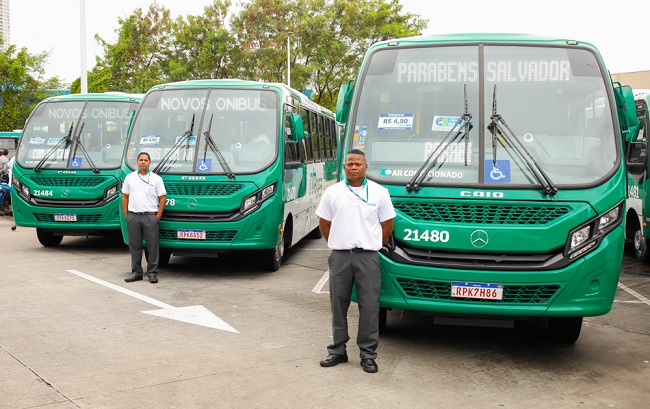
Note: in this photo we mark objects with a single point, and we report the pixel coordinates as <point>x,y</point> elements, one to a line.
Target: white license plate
<point>481,291</point>
<point>191,234</point>
<point>59,217</point>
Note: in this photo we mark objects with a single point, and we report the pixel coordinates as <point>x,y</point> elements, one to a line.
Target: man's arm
<point>386,230</point>
<point>325,226</point>
<point>125,204</point>
<point>161,206</point>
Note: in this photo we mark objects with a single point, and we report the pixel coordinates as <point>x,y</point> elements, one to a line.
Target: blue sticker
<point>499,173</point>
<point>204,165</point>
<point>76,163</point>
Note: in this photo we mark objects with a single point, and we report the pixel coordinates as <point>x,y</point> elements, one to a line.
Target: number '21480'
<point>426,235</point>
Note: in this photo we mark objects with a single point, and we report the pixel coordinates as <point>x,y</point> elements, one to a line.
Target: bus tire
<point>163,258</point>
<point>48,239</point>
<point>274,256</point>
<point>641,246</point>
<point>383,318</point>
<point>565,330</point>
<point>315,234</point>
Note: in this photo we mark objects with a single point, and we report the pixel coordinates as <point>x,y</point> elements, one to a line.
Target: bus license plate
<point>59,217</point>
<point>481,291</point>
<point>191,234</point>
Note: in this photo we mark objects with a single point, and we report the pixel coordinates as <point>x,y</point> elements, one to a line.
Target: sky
<point>612,26</point>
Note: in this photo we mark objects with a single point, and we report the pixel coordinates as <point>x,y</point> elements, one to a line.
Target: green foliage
<point>20,91</point>
<point>328,39</point>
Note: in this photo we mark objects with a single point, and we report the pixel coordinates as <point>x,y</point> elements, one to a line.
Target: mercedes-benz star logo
<point>479,238</point>
<point>64,193</point>
<point>191,203</point>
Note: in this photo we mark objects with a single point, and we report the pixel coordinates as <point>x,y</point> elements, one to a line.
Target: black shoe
<point>369,365</point>
<point>333,360</point>
<point>134,277</point>
<point>153,278</point>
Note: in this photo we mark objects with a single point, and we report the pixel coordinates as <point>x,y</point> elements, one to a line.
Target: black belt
<point>354,250</point>
<point>149,213</point>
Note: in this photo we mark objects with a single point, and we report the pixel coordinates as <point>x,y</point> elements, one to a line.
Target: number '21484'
<point>426,235</point>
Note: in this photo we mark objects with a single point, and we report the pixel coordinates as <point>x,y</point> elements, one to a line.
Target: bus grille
<point>81,218</point>
<point>202,189</point>
<point>481,214</point>
<point>512,294</point>
<point>68,181</point>
<point>210,235</point>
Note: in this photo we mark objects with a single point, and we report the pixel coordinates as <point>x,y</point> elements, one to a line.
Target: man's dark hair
<point>355,152</point>
<point>144,153</point>
<point>5,151</point>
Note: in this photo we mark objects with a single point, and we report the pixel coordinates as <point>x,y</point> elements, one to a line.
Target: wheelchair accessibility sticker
<point>76,162</point>
<point>497,173</point>
<point>204,165</point>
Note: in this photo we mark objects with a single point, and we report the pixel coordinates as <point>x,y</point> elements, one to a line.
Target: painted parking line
<point>194,314</point>
<point>318,288</point>
<point>640,297</point>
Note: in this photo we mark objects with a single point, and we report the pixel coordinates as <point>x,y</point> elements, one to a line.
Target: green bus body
<point>9,141</point>
<point>519,213</point>
<point>637,230</point>
<point>66,173</point>
<point>250,164</point>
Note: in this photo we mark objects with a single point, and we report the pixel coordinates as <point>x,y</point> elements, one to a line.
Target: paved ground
<point>73,335</point>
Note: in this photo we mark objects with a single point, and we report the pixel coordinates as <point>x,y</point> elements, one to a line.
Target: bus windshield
<point>206,131</point>
<point>99,126</point>
<point>412,100</point>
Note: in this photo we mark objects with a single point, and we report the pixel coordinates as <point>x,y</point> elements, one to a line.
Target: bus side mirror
<point>626,107</point>
<point>636,159</point>
<point>128,126</point>
<point>297,128</point>
<point>343,102</point>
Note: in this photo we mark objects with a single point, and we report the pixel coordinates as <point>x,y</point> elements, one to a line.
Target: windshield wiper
<point>461,130</point>
<point>498,126</point>
<point>213,147</point>
<point>76,142</point>
<point>66,139</point>
<point>179,142</point>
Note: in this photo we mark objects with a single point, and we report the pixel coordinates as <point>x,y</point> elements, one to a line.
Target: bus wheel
<point>641,246</point>
<point>163,258</point>
<point>274,256</point>
<point>383,317</point>
<point>48,239</point>
<point>565,329</point>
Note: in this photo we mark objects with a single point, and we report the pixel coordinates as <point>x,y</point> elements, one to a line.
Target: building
<point>4,24</point>
<point>638,80</point>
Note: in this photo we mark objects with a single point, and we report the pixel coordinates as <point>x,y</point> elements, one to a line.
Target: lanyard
<point>365,183</point>
<point>148,177</point>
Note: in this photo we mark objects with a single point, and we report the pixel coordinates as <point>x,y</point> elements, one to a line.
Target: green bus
<point>244,165</point>
<point>66,172</point>
<point>503,157</point>
<point>9,141</point>
<point>637,230</point>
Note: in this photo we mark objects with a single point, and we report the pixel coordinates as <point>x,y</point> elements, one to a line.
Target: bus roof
<point>99,96</point>
<point>494,38</point>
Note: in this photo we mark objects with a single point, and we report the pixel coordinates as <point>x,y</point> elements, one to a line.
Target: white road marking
<point>640,297</point>
<point>321,283</point>
<point>195,314</point>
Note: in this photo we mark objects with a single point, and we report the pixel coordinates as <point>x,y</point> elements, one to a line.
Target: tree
<point>133,63</point>
<point>20,73</point>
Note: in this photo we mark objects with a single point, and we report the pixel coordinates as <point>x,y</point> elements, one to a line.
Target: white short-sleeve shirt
<point>356,218</point>
<point>144,191</point>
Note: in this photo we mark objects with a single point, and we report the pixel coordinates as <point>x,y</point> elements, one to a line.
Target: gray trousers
<point>345,269</point>
<point>138,227</point>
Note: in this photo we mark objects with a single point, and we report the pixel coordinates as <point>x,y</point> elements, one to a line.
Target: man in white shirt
<point>356,219</point>
<point>4,160</point>
<point>143,202</point>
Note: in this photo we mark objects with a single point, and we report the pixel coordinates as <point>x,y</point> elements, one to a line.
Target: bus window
<point>307,142</point>
<point>314,135</point>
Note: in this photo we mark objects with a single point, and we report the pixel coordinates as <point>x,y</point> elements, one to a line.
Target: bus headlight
<point>254,201</point>
<point>585,238</point>
<point>110,193</point>
<point>25,191</point>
